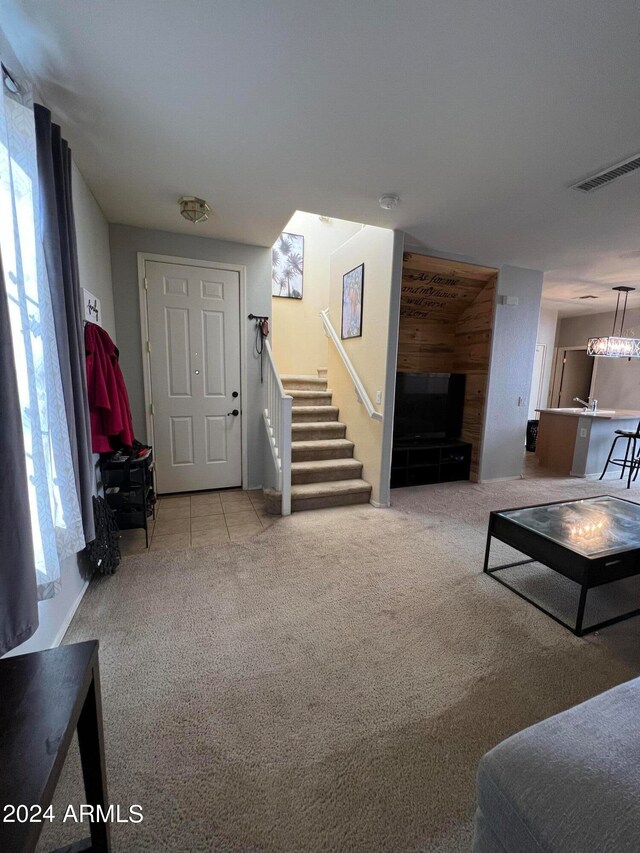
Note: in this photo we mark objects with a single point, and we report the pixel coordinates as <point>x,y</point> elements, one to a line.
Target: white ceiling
<point>594,277</point>
<point>479,114</point>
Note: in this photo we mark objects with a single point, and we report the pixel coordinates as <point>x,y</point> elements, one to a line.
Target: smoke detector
<point>389,201</point>
<point>194,209</point>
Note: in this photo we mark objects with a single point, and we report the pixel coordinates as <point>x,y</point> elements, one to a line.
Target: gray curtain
<point>18,589</point>
<point>61,258</point>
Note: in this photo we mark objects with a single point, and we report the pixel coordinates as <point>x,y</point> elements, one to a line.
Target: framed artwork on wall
<point>352,294</point>
<point>287,264</point>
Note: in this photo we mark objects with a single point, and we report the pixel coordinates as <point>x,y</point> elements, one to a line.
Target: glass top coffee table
<point>592,542</point>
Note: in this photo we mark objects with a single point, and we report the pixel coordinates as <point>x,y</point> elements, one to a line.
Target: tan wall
<point>373,247</point>
<point>298,340</point>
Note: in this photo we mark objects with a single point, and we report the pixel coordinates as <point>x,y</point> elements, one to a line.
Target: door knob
<point>235,413</point>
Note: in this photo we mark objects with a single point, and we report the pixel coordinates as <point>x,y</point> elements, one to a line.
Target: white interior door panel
<point>194,337</point>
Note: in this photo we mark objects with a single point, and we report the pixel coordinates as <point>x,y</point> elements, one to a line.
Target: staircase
<point>323,470</point>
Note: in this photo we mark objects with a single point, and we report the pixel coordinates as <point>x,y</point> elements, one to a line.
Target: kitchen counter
<point>576,443</point>
<point>606,414</point>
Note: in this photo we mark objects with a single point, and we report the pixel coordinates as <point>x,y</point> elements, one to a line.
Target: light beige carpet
<point>329,685</point>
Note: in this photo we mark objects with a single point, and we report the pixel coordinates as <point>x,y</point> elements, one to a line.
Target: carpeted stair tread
<point>331,494</point>
<point>302,399</point>
<point>325,470</point>
<point>303,377</point>
<point>320,495</point>
<point>306,414</point>
<point>318,430</point>
<point>337,487</point>
<point>336,448</point>
<point>303,383</point>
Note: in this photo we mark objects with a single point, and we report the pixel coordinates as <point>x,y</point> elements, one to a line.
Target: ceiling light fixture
<point>616,346</point>
<point>194,209</point>
<point>389,201</point>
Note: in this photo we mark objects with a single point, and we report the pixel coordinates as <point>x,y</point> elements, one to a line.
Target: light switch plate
<point>378,396</point>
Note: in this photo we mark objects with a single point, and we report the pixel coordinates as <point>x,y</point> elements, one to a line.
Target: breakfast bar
<point>576,442</point>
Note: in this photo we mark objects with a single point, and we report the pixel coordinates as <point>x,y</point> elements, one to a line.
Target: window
<point>55,515</point>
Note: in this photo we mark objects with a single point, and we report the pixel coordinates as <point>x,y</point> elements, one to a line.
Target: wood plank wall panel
<point>448,268</point>
<point>432,295</point>
<point>433,298</point>
<point>472,356</point>
<point>425,346</point>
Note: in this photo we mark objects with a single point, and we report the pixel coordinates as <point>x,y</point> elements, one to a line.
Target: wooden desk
<point>45,697</point>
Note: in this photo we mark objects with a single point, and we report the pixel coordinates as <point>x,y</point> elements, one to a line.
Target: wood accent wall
<point>472,356</point>
<point>446,318</point>
<point>425,346</point>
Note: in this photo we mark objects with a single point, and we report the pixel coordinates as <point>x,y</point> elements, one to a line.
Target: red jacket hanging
<point>111,424</point>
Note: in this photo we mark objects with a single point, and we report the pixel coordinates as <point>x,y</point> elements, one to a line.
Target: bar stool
<point>631,460</point>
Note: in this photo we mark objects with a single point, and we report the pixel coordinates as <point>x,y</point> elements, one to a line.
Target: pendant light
<point>616,346</point>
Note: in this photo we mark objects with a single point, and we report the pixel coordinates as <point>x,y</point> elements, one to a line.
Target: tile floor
<point>202,518</point>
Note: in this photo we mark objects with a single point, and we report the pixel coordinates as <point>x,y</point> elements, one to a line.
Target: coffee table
<point>592,542</point>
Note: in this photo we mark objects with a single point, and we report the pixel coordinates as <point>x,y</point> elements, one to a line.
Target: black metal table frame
<point>587,572</point>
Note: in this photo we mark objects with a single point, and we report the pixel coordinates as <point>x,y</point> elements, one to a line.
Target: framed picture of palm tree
<point>287,264</point>
<point>352,293</point>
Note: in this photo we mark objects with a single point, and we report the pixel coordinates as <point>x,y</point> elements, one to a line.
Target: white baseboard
<point>72,610</point>
<point>501,479</point>
<point>379,505</point>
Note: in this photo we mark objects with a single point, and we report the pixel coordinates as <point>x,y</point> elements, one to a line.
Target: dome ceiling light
<point>194,209</point>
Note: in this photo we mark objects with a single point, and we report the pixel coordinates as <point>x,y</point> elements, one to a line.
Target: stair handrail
<point>360,390</point>
<point>277,419</point>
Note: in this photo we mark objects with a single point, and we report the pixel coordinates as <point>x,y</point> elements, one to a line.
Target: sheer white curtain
<point>55,515</point>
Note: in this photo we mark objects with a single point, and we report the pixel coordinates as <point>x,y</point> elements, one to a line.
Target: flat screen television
<point>428,406</point>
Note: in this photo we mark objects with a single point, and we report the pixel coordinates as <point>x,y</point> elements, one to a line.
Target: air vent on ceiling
<point>588,296</point>
<point>608,175</point>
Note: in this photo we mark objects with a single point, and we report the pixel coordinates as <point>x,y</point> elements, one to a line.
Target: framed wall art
<point>352,294</point>
<point>287,264</point>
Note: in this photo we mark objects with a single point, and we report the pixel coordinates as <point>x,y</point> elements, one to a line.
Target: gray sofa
<point>570,784</point>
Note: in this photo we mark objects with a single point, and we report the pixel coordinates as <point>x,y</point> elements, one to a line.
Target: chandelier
<point>616,346</point>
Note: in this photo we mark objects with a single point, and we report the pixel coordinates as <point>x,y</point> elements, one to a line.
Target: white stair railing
<point>277,420</point>
<point>360,390</point>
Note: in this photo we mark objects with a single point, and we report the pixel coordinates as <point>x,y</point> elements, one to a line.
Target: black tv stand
<point>419,462</point>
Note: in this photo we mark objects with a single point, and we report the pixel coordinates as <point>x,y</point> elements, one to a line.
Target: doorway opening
<point>573,377</point>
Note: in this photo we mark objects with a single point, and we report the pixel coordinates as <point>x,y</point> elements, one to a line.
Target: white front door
<point>194,338</point>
